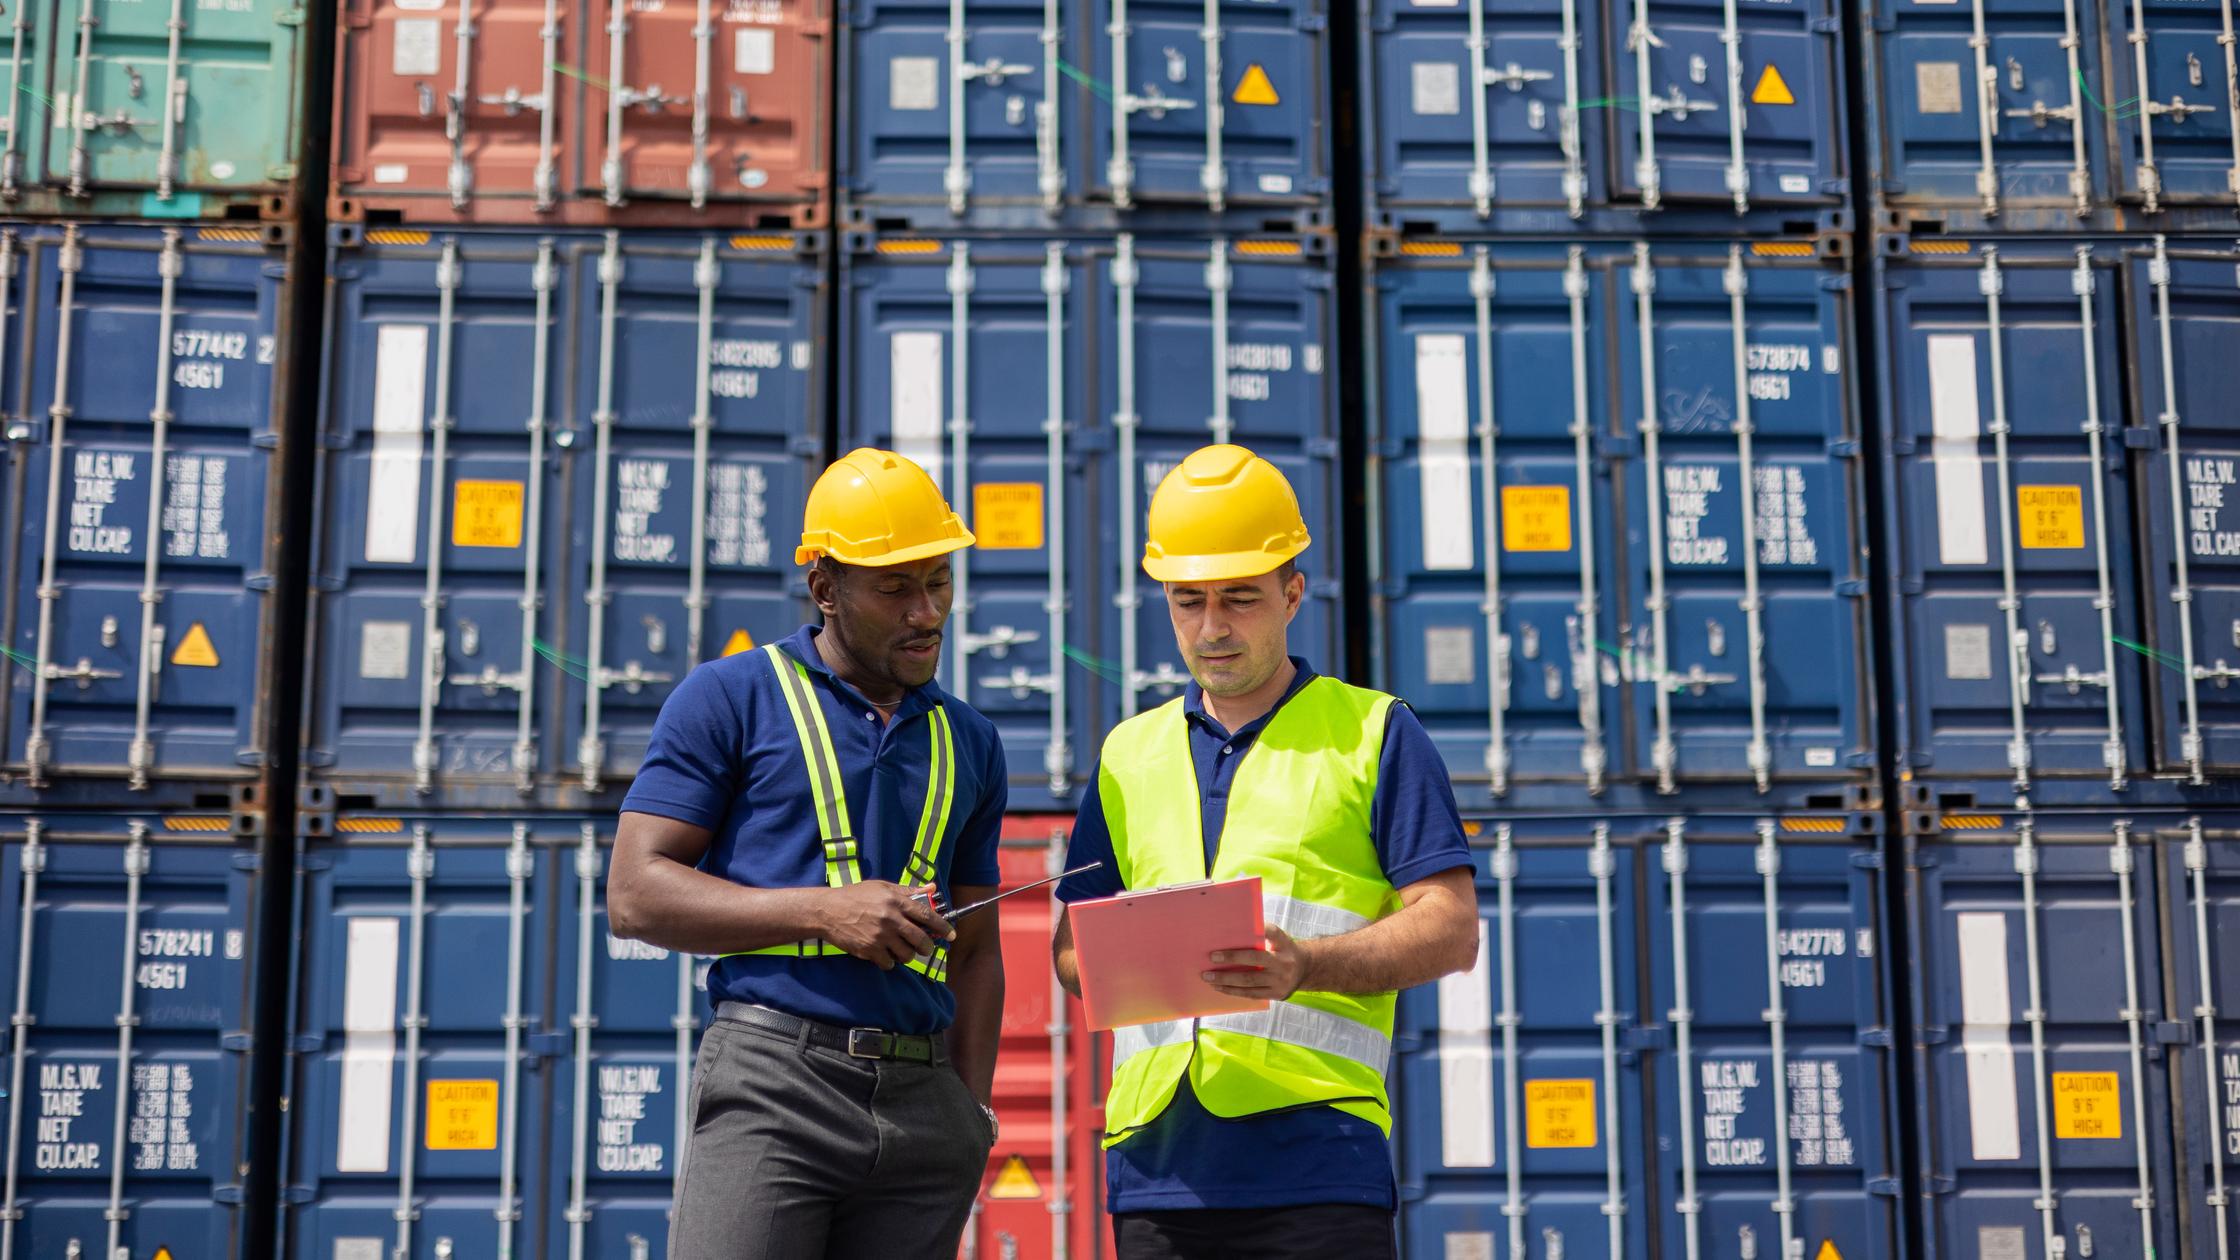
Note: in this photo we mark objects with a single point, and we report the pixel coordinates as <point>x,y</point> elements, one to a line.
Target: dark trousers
<point>802,1153</point>
<point>1322,1231</point>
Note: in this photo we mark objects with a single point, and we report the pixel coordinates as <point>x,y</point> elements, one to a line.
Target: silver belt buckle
<point>859,1037</point>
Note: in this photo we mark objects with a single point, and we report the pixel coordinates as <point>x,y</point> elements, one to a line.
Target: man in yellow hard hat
<point>795,805</point>
<point>1266,1134</point>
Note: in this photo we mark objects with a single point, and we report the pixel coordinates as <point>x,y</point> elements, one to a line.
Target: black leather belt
<point>860,1043</point>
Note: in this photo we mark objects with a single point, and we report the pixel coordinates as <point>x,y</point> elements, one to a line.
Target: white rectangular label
<point>417,49</point>
<point>1967,652</point>
<point>1936,85</point>
<point>385,650</point>
<point>400,385</point>
<point>754,50</point>
<point>1957,424</point>
<point>1470,1245</point>
<point>1994,1120</point>
<point>914,401</point>
<point>1276,185</point>
<point>913,83</point>
<point>1466,1065</point>
<point>391,173</point>
<point>369,1024</point>
<point>1443,441</point>
<point>1435,88</point>
<point>1450,655</point>
<point>1820,758</point>
<point>357,1249</point>
<point>1796,183</point>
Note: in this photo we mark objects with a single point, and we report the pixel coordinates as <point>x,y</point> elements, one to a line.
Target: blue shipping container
<point>2053,957</point>
<point>1549,116</point>
<point>127,943</point>
<point>2081,115</point>
<point>562,470</point>
<point>1049,386</point>
<point>1099,116</point>
<point>2032,452</point>
<point>1656,1003</point>
<point>481,1068</point>
<point>1661,602</point>
<point>144,417</point>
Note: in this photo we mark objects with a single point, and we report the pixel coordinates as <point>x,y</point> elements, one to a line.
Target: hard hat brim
<point>888,559</point>
<point>1229,567</point>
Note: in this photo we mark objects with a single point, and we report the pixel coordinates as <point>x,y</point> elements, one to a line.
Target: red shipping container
<point>714,112</point>
<point>1043,1198</point>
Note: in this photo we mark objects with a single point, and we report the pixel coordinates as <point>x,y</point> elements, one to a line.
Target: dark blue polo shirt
<point>1190,1158</point>
<point>725,756</point>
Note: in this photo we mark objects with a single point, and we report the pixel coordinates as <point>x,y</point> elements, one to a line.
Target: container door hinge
<point>2172,1032</point>
<point>1844,448</point>
<point>1878,1038</point>
<point>1886,1186</point>
<point>240,1042</point>
<point>299,1194</point>
<point>2145,439</point>
<point>1867,861</point>
<point>259,582</point>
<point>309,1043</point>
<point>550,1045</point>
<point>228,1194</point>
<point>1646,1037</point>
<point>1825,25</point>
<point>1936,1183</point>
<point>1932,1035</point>
<point>1851,588</point>
<point>245,862</point>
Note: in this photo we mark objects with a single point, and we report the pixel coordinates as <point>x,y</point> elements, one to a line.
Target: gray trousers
<point>803,1153</point>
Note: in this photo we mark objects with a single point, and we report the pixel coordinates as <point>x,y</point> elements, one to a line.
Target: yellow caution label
<point>163,1253</point>
<point>1007,515</point>
<point>740,641</point>
<point>1536,518</point>
<point>1256,88</point>
<point>1015,1181</point>
<point>196,649</point>
<point>1828,1250</point>
<point>486,514</point>
<point>2087,1105</point>
<point>462,1115</point>
<point>1558,1114</point>
<point>1772,89</point>
<point>2049,517</point>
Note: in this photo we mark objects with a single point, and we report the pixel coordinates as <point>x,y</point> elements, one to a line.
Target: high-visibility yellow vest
<point>830,796</point>
<point>1299,819</point>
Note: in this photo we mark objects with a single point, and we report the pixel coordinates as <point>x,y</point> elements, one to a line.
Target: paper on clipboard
<point>1141,954</point>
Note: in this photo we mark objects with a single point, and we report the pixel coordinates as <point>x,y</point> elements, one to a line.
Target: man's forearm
<point>1062,957</point>
<point>977,983</point>
<point>683,909</point>
<point>1416,945</point>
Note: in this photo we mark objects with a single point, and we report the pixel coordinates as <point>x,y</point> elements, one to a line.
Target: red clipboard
<point>1142,954</point>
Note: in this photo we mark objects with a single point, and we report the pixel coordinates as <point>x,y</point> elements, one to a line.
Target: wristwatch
<point>993,1126</point>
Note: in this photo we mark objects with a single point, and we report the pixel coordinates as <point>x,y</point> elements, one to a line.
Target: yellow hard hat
<point>877,508</point>
<point>1223,513</point>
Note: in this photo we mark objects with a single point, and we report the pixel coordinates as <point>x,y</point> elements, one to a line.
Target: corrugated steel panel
<point>2047,988</point>
<point>1720,974</point>
<point>2198,861</point>
<point>1534,118</point>
<point>1663,609</point>
<point>137,615</point>
<point>1144,114</point>
<point>537,111</point>
<point>128,1068</point>
<point>1049,386</point>
<point>603,440</point>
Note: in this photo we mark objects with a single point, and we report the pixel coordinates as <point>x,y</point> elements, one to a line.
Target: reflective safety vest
<point>1299,819</point>
<point>833,827</point>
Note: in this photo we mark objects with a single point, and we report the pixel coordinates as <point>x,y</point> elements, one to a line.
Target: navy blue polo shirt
<point>1190,1158</point>
<point>725,756</point>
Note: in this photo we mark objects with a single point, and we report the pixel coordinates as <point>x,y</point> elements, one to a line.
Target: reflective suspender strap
<point>840,865</point>
<point>933,823</point>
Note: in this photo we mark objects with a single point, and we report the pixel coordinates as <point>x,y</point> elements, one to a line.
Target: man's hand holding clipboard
<point>1145,956</point>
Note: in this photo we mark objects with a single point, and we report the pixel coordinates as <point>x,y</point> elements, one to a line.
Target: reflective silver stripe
<point>1305,920</point>
<point>1306,1026</point>
<point>1128,1042</point>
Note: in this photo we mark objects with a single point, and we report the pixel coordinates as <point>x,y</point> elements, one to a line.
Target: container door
<point>2009,478</point>
<point>208,105</point>
<point>694,100</point>
<point>2200,873</point>
<point>2010,125</point>
<point>126,1110</point>
<point>623,1084</point>
<point>2183,340</point>
<point>964,115</point>
<point>972,367</point>
<point>1516,1109</point>
<point>1497,524</point>
<point>2078,942</point>
<point>430,110</point>
<point>141,616</point>
<point>1796,920</point>
<point>1481,128</point>
<point>696,418</point>
<point>1739,106</point>
<point>1227,344</point>
<point>436,533</point>
<point>2177,140</point>
<point>1749,650</point>
<point>1208,104</point>
<point>29,71</point>
<point>418,1110</point>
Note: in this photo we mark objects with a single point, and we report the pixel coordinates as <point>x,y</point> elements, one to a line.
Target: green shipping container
<point>151,108</point>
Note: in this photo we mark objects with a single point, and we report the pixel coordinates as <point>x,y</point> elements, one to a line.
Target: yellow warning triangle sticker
<point>163,1253</point>
<point>1256,88</point>
<point>196,648</point>
<point>1828,1250</point>
<point>1015,1181</point>
<point>740,641</point>
<point>1772,89</point>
